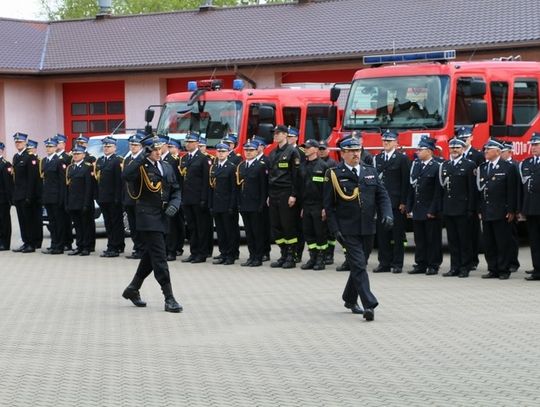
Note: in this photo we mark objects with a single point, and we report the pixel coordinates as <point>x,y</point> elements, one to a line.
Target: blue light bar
<point>411,57</point>
<point>192,86</point>
<point>238,84</point>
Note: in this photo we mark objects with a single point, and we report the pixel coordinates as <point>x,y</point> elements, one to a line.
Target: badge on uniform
<point>34,162</point>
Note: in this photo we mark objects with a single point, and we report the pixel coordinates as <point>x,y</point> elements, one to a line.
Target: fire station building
<point>92,75</point>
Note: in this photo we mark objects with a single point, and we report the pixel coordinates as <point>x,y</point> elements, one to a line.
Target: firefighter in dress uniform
<point>65,228</point>
<point>25,179</point>
<point>156,191</point>
<point>424,206</point>
<point>506,154</point>
<point>530,176</point>
<point>266,229</point>
<point>37,206</point>
<point>80,200</point>
<point>393,169</point>
<point>194,167</point>
<point>135,149</point>
<point>353,196</point>
<point>53,174</point>
<point>6,199</point>
<point>109,196</point>
<point>283,163</point>
<point>223,204</point>
<point>313,215</point>
<point>496,181</point>
<point>458,181</point>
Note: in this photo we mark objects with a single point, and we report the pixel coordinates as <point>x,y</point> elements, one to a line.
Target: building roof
<point>325,30</point>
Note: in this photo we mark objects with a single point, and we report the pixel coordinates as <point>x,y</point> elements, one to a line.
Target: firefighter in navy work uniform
<point>194,167</point>
<point>465,133</point>
<point>283,163</point>
<point>53,174</point>
<point>393,169</point>
<point>458,180</point>
<point>353,196</point>
<point>312,172</point>
<point>135,149</point>
<point>175,236</point>
<point>6,198</point>
<point>109,196</point>
<point>25,177</point>
<point>223,204</point>
<point>424,203</point>
<point>496,181</point>
<point>80,200</point>
<point>252,181</point>
<point>64,225</point>
<point>157,200</point>
<point>530,177</point>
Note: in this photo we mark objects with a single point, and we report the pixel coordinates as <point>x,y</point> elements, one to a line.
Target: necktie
<point>490,168</point>
<point>354,171</point>
<point>386,157</point>
<point>536,160</point>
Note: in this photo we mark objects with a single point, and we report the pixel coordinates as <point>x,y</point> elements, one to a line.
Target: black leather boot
<point>319,261</point>
<point>279,262</point>
<point>308,265</point>
<point>329,255</point>
<point>171,305</point>
<point>289,262</point>
<point>132,292</point>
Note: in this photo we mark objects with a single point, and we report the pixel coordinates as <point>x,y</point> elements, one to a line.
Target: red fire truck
<point>215,112</point>
<point>422,94</point>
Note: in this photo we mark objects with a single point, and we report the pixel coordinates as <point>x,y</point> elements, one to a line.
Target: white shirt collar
<point>350,168</point>
<point>390,154</point>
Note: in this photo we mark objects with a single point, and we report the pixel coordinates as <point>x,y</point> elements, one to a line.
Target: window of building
<point>115,108</point>
<point>78,109</point>
<point>98,126</point>
<point>79,126</point>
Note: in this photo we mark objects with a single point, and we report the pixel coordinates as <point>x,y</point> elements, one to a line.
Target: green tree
<point>71,9</point>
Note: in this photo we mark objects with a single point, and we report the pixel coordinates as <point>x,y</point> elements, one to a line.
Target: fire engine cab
<point>425,93</point>
<point>215,112</point>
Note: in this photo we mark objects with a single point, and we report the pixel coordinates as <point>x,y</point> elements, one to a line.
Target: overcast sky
<point>25,9</point>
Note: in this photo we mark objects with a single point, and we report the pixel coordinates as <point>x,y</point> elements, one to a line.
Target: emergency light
<point>192,86</point>
<point>238,84</point>
<point>208,84</point>
<point>410,57</point>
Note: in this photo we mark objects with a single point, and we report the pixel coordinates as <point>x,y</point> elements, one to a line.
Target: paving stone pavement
<point>262,337</point>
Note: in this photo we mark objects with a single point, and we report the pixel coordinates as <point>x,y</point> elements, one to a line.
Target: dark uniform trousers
<point>176,234</point>
<point>530,206</point>
<point>475,227</point>
<point>425,198</point>
<point>198,220</point>
<point>138,245</point>
<point>84,224</point>
<point>154,257</point>
<point>253,183</point>
<point>226,227</point>
<point>109,198</point>
<point>458,230</point>
<point>54,213</point>
<point>26,173</point>
<point>283,219</point>
<point>65,229</point>
<point>6,189</point>
<point>498,197</point>
<point>355,219</point>
<point>391,242</point>
<point>315,229</point>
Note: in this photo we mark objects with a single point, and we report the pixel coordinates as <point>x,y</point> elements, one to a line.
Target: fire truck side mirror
<point>477,111</point>
<point>148,115</point>
<point>471,87</point>
<point>332,116</point>
<point>334,93</point>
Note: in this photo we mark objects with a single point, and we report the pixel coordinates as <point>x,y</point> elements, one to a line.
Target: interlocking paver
<point>262,337</point>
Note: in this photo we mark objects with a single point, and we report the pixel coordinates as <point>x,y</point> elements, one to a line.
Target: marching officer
<point>194,167</point>
<point>458,180</point>
<point>6,198</point>
<point>26,177</point>
<point>496,181</point>
<point>312,172</point>
<point>175,236</point>
<point>530,177</point>
<point>64,221</point>
<point>53,174</point>
<point>157,200</point>
<point>331,240</point>
<point>465,133</point>
<point>266,229</point>
<point>424,205</point>
<point>506,154</point>
<point>109,196</point>
<point>283,163</point>
<point>393,169</point>
<point>252,180</point>
<point>223,204</point>
<point>135,149</point>
<point>80,200</point>
<point>353,196</point>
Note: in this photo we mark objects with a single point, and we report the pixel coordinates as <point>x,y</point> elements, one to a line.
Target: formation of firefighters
<point>288,198</point>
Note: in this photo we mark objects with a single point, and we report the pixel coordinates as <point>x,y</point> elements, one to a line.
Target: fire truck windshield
<point>211,119</point>
<point>404,102</point>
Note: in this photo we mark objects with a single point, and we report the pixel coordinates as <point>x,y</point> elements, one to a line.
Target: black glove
<point>387,222</point>
<point>171,210</point>
<point>340,238</point>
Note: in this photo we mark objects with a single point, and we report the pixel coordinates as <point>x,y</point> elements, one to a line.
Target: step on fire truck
<point>214,112</point>
<point>425,93</point>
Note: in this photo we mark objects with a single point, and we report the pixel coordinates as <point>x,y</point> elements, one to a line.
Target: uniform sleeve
<point>118,181</point>
<point>295,168</point>
<point>88,188</point>
<point>131,171</point>
<point>234,190</point>
<point>436,204</point>
<point>329,201</point>
<point>384,204</point>
<point>175,194</point>
<point>205,190</point>
<point>405,169</point>
<point>263,184</point>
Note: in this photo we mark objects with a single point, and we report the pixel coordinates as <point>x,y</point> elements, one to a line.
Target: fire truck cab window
<point>525,103</point>
<point>291,116</point>
<point>253,118</point>
<point>499,102</point>
<point>462,101</point>
<point>317,122</point>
